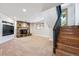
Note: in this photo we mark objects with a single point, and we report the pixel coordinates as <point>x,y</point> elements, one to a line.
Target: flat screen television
<point>8,30</point>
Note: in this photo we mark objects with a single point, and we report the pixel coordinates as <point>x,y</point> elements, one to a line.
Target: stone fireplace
<point>23,29</point>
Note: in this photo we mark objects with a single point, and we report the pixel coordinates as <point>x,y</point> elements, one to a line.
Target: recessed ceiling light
<point>14,17</point>
<point>24,10</point>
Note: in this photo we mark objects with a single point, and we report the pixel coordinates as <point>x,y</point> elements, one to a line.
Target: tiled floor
<point>27,46</point>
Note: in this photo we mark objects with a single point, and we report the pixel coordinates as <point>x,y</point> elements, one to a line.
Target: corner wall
<point>77,14</point>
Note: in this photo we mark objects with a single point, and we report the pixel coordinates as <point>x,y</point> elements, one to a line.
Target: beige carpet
<point>27,46</point>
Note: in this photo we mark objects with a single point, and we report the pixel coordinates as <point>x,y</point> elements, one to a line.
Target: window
<point>40,26</point>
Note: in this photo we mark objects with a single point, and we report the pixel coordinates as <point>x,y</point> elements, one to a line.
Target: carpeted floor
<point>27,46</point>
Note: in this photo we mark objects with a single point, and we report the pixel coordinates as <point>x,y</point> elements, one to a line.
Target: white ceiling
<point>15,9</point>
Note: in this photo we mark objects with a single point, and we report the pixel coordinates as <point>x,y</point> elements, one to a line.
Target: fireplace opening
<point>23,31</point>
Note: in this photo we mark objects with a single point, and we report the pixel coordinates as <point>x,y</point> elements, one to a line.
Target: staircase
<point>68,41</point>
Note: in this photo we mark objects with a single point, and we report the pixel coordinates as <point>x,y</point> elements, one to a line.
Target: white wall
<point>44,32</point>
<point>50,17</point>
<point>0,30</point>
<point>5,38</point>
<point>77,14</point>
<point>71,13</point>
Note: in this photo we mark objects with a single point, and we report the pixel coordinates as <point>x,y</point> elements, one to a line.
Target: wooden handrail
<point>57,26</point>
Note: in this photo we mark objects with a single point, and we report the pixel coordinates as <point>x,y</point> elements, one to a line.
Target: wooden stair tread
<point>70,27</point>
<point>63,53</point>
<point>70,44</point>
<point>68,48</point>
<point>67,29</point>
<point>69,36</point>
<point>71,33</point>
<point>69,40</point>
<point>72,36</point>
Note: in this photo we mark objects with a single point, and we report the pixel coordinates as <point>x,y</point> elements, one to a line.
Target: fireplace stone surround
<point>23,31</point>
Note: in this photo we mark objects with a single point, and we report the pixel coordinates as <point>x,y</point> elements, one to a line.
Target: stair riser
<point>70,30</point>
<point>67,33</point>
<point>69,43</point>
<point>67,30</point>
<point>60,53</point>
<point>75,31</point>
<point>70,27</point>
<point>72,37</point>
<point>68,49</point>
<point>74,41</point>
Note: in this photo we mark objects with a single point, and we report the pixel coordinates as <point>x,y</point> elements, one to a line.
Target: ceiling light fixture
<point>24,10</point>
